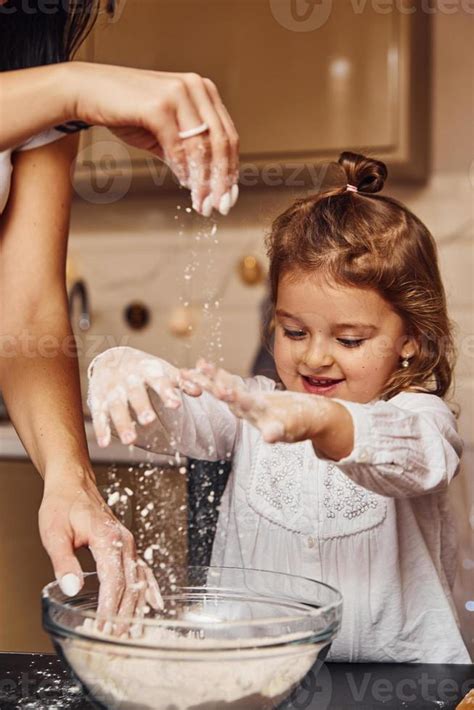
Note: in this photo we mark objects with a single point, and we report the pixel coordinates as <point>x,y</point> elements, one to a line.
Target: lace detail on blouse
<point>276,488</point>
<point>344,496</point>
<point>277,481</point>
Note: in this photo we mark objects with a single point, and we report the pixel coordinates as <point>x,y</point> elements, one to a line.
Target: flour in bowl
<point>171,671</point>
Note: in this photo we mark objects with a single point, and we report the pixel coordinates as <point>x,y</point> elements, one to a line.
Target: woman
<point>43,97</point>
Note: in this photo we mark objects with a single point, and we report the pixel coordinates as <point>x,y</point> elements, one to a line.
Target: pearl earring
<point>405,362</point>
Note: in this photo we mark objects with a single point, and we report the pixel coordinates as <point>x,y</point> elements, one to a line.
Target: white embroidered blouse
<point>376,525</point>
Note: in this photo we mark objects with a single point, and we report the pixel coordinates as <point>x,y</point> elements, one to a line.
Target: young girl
<point>343,476</point>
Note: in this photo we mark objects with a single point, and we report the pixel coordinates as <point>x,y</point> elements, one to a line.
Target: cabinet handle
<point>251,270</point>
<point>137,315</point>
<point>181,322</point>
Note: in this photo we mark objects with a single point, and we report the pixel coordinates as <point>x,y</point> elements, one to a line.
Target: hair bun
<point>367,174</point>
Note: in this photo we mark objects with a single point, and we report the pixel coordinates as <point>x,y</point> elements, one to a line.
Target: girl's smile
<point>336,340</point>
<point>320,385</point>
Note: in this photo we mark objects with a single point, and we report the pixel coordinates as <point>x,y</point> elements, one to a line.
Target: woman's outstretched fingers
<point>133,583</point>
<point>170,147</point>
<point>229,144</point>
<point>111,574</point>
<point>219,159</point>
<point>153,593</point>
<point>197,148</point>
<point>198,152</point>
<point>136,629</point>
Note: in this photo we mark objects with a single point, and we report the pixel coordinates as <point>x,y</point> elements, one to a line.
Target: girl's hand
<point>119,378</point>
<point>284,416</point>
<point>71,517</point>
<point>148,110</point>
<point>280,416</point>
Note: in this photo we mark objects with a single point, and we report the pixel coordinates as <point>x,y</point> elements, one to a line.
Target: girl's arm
<point>171,414</point>
<point>39,375</point>
<point>407,446</point>
<point>404,447</point>
<point>146,109</point>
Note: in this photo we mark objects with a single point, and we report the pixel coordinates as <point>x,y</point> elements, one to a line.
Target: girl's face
<point>336,340</point>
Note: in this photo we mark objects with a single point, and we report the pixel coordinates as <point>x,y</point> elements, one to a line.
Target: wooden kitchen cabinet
<point>358,80</point>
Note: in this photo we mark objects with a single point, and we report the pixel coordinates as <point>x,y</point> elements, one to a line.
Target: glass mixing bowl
<point>226,638</point>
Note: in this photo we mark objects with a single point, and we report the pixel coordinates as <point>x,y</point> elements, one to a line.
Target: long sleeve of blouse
<point>407,446</point>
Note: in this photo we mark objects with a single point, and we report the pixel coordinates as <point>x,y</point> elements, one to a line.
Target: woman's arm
<point>33,100</point>
<point>146,109</point>
<point>39,375</point>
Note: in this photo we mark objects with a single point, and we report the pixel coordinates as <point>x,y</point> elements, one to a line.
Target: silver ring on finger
<point>196,131</point>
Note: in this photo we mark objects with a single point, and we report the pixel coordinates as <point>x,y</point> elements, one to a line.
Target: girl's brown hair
<point>371,241</point>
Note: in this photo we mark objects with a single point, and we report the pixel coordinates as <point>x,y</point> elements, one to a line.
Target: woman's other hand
<point>149,109</point>
<point>71,517</point>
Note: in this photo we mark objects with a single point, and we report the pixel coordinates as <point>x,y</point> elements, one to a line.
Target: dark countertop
<point>41,682</point>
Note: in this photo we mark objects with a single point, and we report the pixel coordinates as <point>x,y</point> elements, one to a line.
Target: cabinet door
<point>295,95</point>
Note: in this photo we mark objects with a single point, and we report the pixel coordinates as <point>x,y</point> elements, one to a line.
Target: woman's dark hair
<point>35,32</point>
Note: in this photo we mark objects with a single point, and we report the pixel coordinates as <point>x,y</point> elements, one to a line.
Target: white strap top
<point>6,164</point>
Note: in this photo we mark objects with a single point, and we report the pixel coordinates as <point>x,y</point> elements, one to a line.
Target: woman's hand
<point>76,516</point>
<point>148,109</point>
<point>119,378</point>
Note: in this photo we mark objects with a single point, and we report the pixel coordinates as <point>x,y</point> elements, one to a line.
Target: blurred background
<point>303,81</point>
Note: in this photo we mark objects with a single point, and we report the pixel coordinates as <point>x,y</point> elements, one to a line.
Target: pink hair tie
<point>351,188</point>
